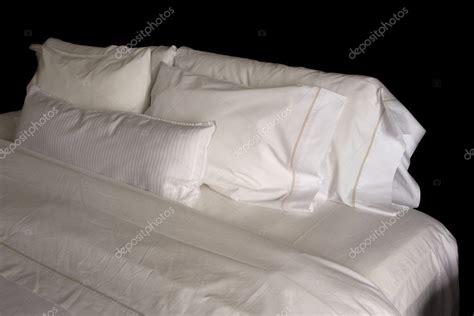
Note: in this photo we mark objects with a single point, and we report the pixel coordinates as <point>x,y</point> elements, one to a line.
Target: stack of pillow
<point>168,121</point>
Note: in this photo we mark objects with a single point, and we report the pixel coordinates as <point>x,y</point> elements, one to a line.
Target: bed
<point>60,227</point>
<point>116,202</point>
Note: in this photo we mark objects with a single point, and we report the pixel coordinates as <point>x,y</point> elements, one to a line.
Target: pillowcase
<point>368,160</point>
<point>166,158</point>
<point>269,143</point>
<point>158,54</point>
<point>94,77</point>
<point>8,124</point>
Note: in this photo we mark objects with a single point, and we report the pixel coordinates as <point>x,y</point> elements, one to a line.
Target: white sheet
<point>18,301</point>
<point>60,227</point>
<point>414,262</point>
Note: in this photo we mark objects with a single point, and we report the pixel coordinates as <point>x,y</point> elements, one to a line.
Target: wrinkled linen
<point>17,300</point>
<point>60,228</point>
<point>412,258</point>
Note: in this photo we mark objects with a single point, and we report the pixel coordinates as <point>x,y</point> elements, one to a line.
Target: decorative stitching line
<point>295,148</point>
<point>354,190</point>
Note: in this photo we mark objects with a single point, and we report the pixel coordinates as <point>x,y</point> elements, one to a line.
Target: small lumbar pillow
<point>166,158</point>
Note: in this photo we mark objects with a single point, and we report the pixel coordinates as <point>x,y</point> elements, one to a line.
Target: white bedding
<point>60,228</point>
<point>414,262</point>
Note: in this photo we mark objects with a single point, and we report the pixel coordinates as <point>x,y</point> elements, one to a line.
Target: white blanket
<point>60,229</point>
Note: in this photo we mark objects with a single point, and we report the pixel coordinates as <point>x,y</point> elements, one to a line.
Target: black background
<point>422,60</point>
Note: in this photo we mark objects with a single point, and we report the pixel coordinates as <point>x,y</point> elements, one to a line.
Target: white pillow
<point>374,140</point>
<point>166,158</point>
<point>269,143</point>
<point>94,78</point>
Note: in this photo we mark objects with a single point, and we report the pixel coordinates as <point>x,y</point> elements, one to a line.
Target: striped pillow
<point>164,157</point>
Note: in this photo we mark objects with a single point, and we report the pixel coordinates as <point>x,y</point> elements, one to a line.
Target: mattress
<point>65,236</point>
